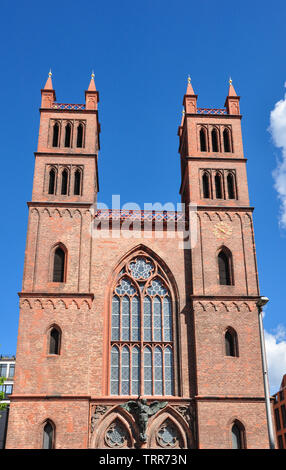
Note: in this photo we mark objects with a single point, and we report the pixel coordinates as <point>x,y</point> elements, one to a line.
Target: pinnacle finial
<point>92,74</point>
<point>189,79</point>
<point>230,81</point>
<point>50,73</point>
<point>183,111</point>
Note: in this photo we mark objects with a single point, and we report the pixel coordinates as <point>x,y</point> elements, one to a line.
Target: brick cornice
<point>69,111</point>
<point>48,397</point>
<point>228,398</point>
<point>82,205</point>
<point>224,297</point>
<point>216,159</point>
<point>226,208</point>
<point>69,295</point>
<point>219,117</point>
<point>65,154</point>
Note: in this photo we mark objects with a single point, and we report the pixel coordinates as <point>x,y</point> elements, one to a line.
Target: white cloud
<point>277,129</point>
<point>275,345</point>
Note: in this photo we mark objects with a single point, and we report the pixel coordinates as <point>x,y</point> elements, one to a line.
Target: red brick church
<point>139,329</point>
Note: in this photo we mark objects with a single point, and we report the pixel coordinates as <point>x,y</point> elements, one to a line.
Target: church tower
<point>129,338</point>
<point>56,299</point>
<point>224,281</point>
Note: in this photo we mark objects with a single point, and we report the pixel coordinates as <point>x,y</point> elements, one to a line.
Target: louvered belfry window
<point>142,331</point>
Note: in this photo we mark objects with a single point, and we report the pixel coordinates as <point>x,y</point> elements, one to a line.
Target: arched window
<point>79,140</point>
<point>52,181</point>
<point>54,341</point>
<point>77,182</point>
<point>48,435</point>
<point>64,187</point>
<point>225,268</point>
<point>231,186</point>
<point>226,140</point>
<point>218,186</point>
<point>231,344</point>
<point>238,436</point>
<point>142,331</point>
<point>68,130</point>
<point>215,146</point>
<point>59,265</point>
<point>56,134</point>
<point>203,140</point>
<point>206,185</point>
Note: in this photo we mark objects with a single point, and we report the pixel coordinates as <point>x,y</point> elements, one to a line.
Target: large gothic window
<point>142,331</point>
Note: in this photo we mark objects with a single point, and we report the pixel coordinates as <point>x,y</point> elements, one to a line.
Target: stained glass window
<point>142,325</point>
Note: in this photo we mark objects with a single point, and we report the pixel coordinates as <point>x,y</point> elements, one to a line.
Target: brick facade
<point>211,389</point>
<point>279,410</point>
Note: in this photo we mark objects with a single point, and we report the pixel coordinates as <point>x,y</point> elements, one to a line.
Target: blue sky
<point>142,53</point>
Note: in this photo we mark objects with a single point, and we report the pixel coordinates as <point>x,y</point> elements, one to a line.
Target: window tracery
<point>142,350</point>
<point>168,435</point>
<point>116,435</point>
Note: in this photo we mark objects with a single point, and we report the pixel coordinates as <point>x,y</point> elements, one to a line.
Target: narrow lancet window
<point>48,436</point>
<point>225,268</point>
<point>218,186</point>
<point>56,133</point>
<point>77,182</point>
<point>230,186</point>
<point>238,436</point>
<point>64,188</point>
<point>206,186</point>
<point>54,341</point>
<point>215,146</point>
<point>231,346</point>
<point>79,140</point>
<point>52,181</point>
<point>226,140</point>
<point>203,140</point>
<point>59,265</point>
<point>68,135</point>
